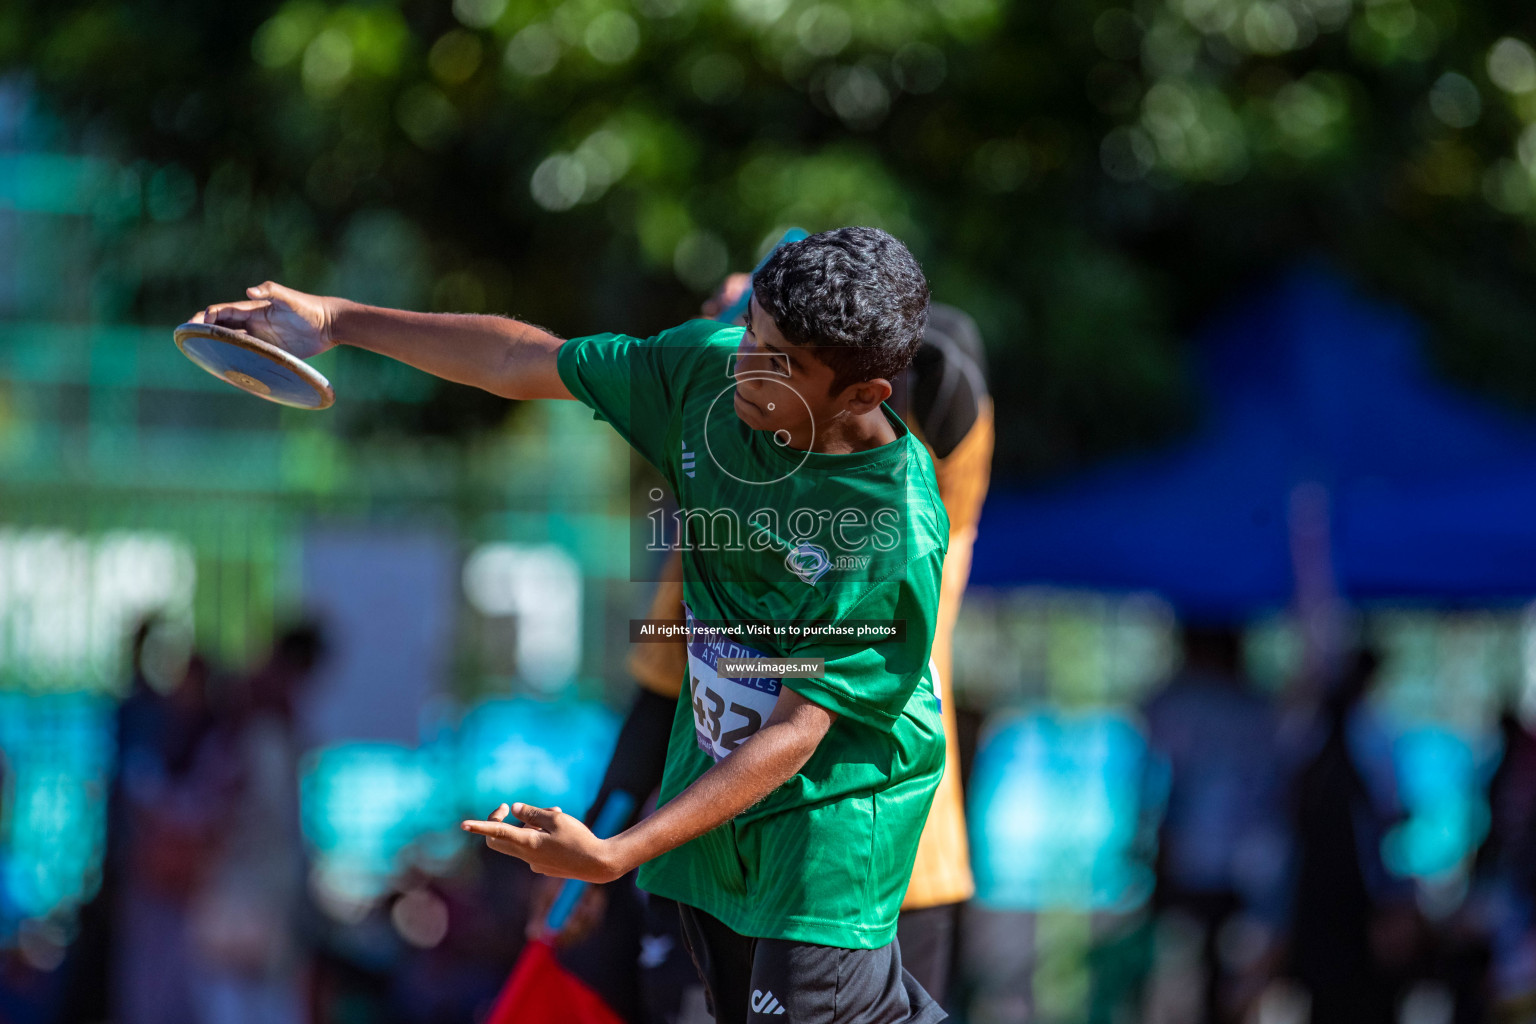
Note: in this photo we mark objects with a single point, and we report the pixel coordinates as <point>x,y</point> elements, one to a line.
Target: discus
<point>254,366</point>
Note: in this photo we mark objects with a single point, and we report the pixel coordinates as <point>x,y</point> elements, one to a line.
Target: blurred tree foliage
<point>1089,179</point>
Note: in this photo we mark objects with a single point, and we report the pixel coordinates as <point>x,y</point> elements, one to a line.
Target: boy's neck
<point>845,435</point>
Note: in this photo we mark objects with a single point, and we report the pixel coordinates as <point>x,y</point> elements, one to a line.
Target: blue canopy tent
<point>1432,493</point>
<point>1431,499</point>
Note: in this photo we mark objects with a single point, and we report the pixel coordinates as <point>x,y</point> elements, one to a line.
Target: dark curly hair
<point>855,295</point>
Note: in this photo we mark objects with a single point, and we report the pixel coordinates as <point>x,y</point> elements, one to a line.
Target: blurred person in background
<point>88,996</point>
<point>132,960</point>
<point>943,397</point>
<point>1221,845</point>
<point>248,915</point>
<point>1353,927</point>
<point>1503,907</point>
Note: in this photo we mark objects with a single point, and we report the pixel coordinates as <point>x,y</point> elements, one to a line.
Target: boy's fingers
<point>234,312</point>
<point>500,813</point>
<point>537,816</point>
<point>242,306</point>
<point>510,849</point>
<point>516,840</point>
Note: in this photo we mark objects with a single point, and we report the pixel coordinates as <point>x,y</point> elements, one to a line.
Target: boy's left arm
<point>556,843</point>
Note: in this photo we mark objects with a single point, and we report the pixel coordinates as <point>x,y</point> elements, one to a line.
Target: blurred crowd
<point>206,912</point>
<point>1269,813</point>
<point>199,913</point>
<point>1269,859</point>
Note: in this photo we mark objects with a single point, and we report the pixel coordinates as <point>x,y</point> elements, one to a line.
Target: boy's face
<point>786,389</point>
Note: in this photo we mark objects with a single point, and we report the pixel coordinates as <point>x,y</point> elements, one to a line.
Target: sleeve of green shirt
<point>871,683</point>
<point>636,384</point>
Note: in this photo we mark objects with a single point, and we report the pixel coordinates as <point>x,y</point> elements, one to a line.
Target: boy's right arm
<point>503,356</point>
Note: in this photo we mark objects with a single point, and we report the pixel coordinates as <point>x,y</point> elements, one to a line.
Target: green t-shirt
<point>826,857</point>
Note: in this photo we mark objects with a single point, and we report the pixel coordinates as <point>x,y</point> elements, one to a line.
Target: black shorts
<point>766,981</point>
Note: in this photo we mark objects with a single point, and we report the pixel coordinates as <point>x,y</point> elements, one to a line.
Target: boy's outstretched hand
<point>552,842</point>
<point>298,323</point>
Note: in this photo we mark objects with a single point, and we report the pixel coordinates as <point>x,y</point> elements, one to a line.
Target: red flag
<point>540,991</point>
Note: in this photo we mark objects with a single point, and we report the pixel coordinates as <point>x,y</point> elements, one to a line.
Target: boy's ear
<point>866,395</point>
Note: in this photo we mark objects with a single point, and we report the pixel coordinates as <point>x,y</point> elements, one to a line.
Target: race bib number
<point>725,711</point>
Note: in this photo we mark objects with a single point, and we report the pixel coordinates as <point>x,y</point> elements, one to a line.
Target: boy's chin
<point>749,413</point>
<point>755,418</point>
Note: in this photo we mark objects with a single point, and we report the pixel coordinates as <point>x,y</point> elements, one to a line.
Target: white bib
<point>725,711</point>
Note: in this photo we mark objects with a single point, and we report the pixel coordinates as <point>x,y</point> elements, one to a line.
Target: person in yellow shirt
<point>943,397</point>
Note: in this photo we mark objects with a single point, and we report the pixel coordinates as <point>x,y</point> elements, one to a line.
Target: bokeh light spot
<point>759,12</point>
<point>858,96</point>
<point>479,13</point>
<point>605,157</point>
<point>1525,149</point>
<point>1393,19</point>
<point>1507,188</point>
<point>824,30</point>
<point>1455,101</point>
<point>327,63</point>
<point>1270,28</point>
<point>1310,114</point>
<point>1512,65</point>
<point>612,37</point>
<point>534,51</point>
<point>421,918</point>
<point>455,57</point>
<point>281,38</point>
<point>559,182</point>
<point>701,260</point>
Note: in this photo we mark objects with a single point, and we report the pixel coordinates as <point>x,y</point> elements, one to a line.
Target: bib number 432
<point>714,717</point>
<point>726,710</point>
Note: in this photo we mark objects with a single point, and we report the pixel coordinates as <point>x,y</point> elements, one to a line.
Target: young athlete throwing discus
<point>802,762</point>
